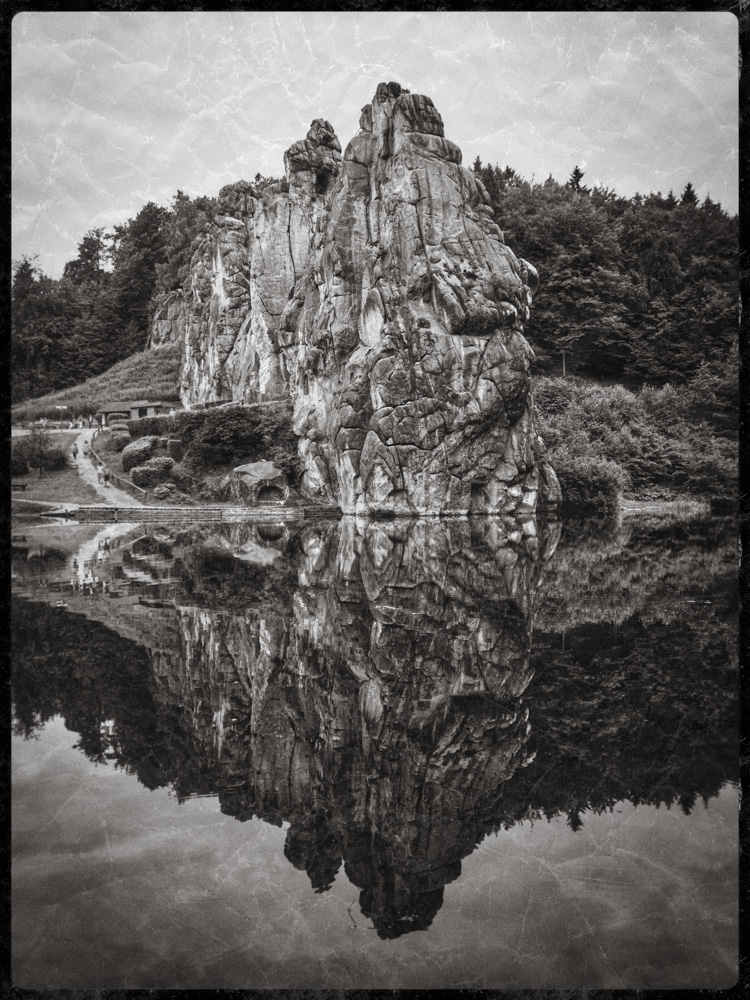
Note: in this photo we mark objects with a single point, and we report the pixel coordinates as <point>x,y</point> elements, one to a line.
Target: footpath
<point>111,495</point>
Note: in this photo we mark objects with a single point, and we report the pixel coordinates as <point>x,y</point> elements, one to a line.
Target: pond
<point>471,753</point>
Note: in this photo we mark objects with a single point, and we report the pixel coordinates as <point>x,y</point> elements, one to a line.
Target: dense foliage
<point>37,451</point>
<point>643,288</point>
<point>228,435</point>
<point>606,440</point>
<point>100,311</point>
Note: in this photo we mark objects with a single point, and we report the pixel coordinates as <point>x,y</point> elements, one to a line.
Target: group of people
<point>102,472</point>
<point>80,423</point>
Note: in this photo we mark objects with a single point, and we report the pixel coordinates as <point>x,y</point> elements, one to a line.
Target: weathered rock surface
<point>168,324</point>
<point>376,291</point>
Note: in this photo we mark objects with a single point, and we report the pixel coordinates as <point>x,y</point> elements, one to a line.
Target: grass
<point>64,486</point>
<point>148,375</point>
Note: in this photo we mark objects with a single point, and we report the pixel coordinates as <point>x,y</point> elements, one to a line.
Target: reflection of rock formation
<point>380,715</point>
<point>367,683</point>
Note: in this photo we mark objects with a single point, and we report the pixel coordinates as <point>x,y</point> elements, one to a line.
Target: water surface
<point>468,753</point>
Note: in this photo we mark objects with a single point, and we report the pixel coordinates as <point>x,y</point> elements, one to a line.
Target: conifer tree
<point>689,197</point>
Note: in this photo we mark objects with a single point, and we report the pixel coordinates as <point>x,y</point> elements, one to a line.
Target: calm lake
<point>471,753</point>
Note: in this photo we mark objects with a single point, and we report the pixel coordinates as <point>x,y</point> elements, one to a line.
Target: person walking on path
<point>106,477</point>
<point>74,451</point>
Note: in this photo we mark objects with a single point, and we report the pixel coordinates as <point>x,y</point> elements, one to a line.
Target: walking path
<point>112,496</point>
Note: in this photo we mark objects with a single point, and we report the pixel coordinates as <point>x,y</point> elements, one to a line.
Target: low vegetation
<point>210,443</point>
<point>37,451</point>
<point>654,443</point>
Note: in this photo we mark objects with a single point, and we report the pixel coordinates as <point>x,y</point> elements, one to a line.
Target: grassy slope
<point>147,375</point>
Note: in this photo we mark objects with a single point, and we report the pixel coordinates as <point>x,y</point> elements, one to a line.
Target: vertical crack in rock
<point>375,291</point>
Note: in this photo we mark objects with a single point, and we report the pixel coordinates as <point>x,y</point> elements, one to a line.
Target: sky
<point>111,110</point>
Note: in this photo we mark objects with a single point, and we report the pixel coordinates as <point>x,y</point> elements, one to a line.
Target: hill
<point>145,375</point>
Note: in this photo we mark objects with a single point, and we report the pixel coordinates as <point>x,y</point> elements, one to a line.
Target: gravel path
<point>112,496</point>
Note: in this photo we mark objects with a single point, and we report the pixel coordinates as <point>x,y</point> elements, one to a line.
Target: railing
<point>124,484</point>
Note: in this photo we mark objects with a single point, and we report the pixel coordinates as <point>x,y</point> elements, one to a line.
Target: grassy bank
<point>147,375</point>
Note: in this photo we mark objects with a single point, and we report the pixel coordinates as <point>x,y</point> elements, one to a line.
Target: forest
<point>634,325</point>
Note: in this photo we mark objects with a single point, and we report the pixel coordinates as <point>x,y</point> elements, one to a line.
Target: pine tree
<point>574,181</point>
<point>689,197</point>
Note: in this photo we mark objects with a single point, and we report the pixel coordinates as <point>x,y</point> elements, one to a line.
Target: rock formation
<point>376,291</point>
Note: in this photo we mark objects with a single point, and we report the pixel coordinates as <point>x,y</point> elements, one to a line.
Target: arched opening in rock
<point>270,532</point>
<point>270,494</point>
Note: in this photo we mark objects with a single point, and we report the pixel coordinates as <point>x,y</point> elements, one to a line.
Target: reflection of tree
<point>372,690</point>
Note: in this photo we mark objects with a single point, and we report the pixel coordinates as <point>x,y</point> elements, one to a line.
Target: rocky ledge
<point>374,290</point>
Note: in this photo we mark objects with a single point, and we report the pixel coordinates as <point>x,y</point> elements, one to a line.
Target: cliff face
<point>377,292</point>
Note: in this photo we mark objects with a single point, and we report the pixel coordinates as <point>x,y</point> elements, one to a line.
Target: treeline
<point>68,330</point>
<point>642,288</point>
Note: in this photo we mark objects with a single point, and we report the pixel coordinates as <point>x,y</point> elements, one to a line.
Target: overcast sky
<point>111,110</point>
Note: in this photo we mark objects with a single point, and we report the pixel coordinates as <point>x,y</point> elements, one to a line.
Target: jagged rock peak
<point>315,160</point>
<point>375,292</point>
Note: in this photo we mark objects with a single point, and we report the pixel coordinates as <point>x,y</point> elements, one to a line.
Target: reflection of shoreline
<point>365,685</point>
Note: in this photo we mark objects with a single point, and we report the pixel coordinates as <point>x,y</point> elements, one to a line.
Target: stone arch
<point>270,493</point>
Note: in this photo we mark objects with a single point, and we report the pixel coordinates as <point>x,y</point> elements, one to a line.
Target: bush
<point>19,465</point>
<point>137,452</point>
<point>231,435</point>
<point>175,448</point>
<point>146,426</point>
<point>156,470</point>
<point>120,441</point>
<point>590,482</point>
<point>655,437</point>
<point>37,451</point>
<point>181,477</point>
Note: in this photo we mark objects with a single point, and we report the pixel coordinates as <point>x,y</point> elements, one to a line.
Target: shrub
<point>590,482</point>
<point>121,440</point>
<point>154,471</point>
<point>145,426</point>
<point>137,452</point>
<point>227,435</point>
<point>38,451</point>
<point>175,448</point>
<point>53,459</point>
<point>19,465</point>
<point>230,435</point>
<point>181,477</point>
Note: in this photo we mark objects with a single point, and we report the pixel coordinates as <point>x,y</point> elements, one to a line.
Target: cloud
<point>109,105</point>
